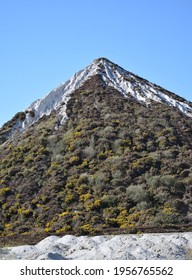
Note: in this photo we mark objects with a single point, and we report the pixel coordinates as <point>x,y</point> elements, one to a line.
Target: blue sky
<point>44,42</point>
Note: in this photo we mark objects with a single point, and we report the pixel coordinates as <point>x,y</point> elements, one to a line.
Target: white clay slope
<point>113,75</point>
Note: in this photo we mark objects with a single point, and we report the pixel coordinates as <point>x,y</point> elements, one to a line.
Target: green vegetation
<point>116,166</point>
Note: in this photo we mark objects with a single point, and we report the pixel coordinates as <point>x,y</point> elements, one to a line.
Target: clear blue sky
<point>44,42</point>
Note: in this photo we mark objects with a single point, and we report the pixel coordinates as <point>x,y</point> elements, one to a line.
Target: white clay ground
<point>169,246</point>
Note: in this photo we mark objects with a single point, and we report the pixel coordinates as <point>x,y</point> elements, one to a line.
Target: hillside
<point>101,162</point>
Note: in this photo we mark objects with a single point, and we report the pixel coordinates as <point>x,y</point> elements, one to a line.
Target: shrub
<point>74,160</point>
<point>63,229</point>
<point>167,180</point>
<point>108,200</point>
<point>89,152</point>
<point>153,181</point>
<point>137,193</point>
<point>87,229</point>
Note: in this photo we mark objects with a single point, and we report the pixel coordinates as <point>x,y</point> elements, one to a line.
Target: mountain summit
<point>105,152</point>
<point>111,75</point>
